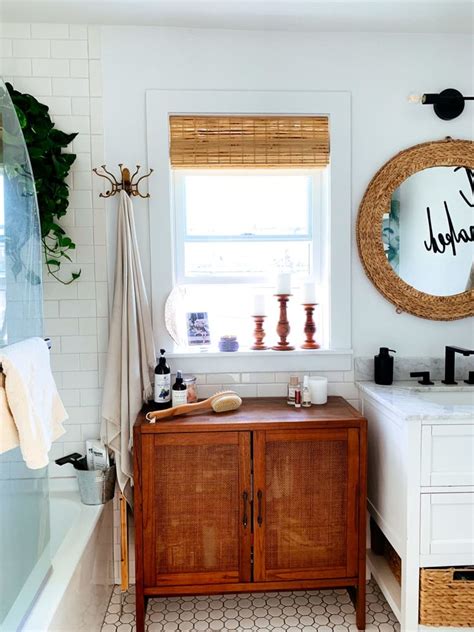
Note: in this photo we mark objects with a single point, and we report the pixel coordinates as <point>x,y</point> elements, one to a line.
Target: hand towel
<point>8,433</point>
<point>131,354</point>
<point>33,400</point>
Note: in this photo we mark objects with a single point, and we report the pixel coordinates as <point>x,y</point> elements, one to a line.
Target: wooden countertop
<point>258,413</point>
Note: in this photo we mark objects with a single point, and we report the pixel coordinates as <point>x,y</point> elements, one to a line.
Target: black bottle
<point>383,367</point>
<point>162,383</point>
<point>179,393</point>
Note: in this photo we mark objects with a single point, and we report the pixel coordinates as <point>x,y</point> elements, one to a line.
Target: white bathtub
<point>77,591</point>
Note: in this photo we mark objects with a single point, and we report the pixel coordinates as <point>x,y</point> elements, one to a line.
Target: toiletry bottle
<point>291,390</point>
<point>383,367</point>
<point>179,394</point>
<point>306,394</point>
<point>298,396</point>
<point>162,395</point>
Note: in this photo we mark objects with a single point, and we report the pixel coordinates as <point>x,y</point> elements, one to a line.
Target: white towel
<point>33,402</point>
<point>8,433</point>
<point>131,353</point>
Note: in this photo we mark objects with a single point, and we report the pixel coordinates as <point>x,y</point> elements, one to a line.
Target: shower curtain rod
<point>47,341</point>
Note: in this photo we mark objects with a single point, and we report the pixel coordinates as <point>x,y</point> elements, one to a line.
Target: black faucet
<point>425,375</point>
<point>449,362</point>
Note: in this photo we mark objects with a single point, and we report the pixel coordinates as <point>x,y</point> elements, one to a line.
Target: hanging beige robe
<point>131,353</point>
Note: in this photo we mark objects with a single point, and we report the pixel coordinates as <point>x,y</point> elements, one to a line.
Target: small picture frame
<point>197,326</point>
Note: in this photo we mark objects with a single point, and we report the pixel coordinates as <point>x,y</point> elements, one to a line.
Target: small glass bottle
<point>178,393</point>
<point>191,388</point>
<point>306,394</point>
<point>291,390</point>
<point>298,396</point>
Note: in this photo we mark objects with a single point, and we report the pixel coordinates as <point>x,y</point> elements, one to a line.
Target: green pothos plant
<point>50,166</point>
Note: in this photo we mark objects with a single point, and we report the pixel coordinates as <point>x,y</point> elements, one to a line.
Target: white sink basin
<point>448,398</point>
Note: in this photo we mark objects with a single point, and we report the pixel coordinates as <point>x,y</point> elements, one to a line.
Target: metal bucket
<point>96,486</point>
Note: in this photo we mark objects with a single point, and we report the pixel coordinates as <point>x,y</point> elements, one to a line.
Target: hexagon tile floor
<point>302,611</point>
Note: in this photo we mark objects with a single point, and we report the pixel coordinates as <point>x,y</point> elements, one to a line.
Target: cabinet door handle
<point>259,499</point>
<point>245,498</point>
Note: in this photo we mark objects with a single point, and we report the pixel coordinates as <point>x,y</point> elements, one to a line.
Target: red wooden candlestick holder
<point>309,327</point>
<point>259,334</point>
<point>283,327</point>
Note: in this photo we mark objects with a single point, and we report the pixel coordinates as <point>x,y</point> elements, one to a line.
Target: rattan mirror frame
<point>375,203</point>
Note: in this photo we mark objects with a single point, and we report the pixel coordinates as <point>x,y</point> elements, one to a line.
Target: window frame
<point>317,223</point>
<point>160,104</point>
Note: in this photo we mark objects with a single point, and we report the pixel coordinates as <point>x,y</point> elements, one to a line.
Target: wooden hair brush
<point>220,403</point>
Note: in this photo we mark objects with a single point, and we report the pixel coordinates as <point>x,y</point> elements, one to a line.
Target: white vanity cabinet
<point>447,454</point>
<point>420,485</point>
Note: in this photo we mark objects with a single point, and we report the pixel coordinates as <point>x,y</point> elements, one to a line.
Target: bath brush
<point>220,403</point>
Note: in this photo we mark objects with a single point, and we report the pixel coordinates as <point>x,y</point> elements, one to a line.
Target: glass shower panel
<point>24,494</point>
<point>21,300</point>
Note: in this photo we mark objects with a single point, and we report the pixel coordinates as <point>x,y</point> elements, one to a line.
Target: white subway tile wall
<point>59,64</point>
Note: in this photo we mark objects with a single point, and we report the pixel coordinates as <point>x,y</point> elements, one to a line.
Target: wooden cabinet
<point>263,498</point>
<point>306,488</point>
<point>196,523</point>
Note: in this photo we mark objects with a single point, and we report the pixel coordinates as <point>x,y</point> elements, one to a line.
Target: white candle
<point>309,293</point>
<point>318,387</point>
<point>259,305</point>
<point>283,283</point>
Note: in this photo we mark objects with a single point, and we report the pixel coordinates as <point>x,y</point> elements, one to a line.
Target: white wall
<point>380,70</point>
<point>59,64</point>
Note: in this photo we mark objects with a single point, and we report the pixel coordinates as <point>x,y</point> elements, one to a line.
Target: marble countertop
<point>404,399</point>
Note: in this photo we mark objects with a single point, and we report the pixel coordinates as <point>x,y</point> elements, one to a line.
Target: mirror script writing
<point>439,244</point>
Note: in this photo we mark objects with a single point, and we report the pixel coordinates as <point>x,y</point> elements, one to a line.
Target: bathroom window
<point>240,226</point>
<point>248,202</point>
<point>245,186</point>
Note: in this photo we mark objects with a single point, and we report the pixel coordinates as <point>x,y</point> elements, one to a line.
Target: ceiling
<point>410,16</point>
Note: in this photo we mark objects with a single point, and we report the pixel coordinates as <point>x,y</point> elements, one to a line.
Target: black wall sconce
<point>448,104</point>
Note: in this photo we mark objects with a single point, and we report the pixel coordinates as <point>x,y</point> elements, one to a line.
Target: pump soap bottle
<point>383,366</point>
<point>162,395</point>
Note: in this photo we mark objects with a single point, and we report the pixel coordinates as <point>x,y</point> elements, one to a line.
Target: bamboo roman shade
<point>249,141</point>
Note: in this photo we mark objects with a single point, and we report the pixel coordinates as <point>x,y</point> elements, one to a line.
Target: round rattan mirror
<point>415,233</point>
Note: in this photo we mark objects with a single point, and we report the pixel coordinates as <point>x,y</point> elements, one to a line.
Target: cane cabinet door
<point>196,508</point>
<point>306,497</point>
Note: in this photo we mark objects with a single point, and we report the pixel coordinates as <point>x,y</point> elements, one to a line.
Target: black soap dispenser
<point>383,366</point>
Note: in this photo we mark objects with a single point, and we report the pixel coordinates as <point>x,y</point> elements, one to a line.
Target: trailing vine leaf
<point>21,117</point>
<point>50,167</point>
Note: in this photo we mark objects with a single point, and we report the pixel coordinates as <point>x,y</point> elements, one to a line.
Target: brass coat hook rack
<point>126,184</point>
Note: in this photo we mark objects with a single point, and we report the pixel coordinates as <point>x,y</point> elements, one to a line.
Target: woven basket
<point>381,546</point>
<point>447,596</point>
<point>393,560</point>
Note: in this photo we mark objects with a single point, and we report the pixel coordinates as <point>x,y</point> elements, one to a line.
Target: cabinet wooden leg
<point>357,596</point>
<point>360,606</point>
<point>140,606</point>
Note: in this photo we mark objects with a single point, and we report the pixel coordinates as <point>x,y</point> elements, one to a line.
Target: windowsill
<point>214,361</point>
